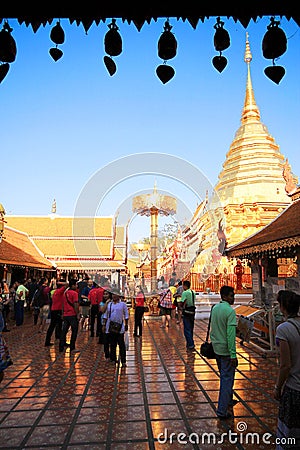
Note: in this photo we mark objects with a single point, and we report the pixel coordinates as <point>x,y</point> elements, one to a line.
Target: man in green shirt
<point>188,301</point>
<point>223,338</point>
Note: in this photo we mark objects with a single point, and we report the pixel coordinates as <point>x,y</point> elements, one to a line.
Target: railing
<point>214,282</point>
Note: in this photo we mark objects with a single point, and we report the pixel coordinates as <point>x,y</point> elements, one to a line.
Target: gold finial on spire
<point>250,112</point>
<point>248,55</point>
<point>54,207</point>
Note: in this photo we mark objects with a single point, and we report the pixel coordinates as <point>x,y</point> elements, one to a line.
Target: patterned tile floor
<point>50,400</point>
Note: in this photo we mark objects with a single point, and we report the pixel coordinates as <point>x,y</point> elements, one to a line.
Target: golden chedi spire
<point>251,186</point>
<point>250,111</point>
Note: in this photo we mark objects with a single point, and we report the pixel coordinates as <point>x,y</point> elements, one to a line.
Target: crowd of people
<point>101,309</point>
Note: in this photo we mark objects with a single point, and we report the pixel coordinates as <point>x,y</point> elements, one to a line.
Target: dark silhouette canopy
<point>36,14</point>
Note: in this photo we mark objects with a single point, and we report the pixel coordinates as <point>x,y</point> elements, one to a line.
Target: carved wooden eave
<point>284,248</point>
<point>279,239</point>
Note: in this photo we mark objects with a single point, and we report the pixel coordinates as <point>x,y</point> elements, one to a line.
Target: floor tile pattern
<point>51,400</point>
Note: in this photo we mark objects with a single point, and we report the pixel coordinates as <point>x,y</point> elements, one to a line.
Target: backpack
<point>38,297</point>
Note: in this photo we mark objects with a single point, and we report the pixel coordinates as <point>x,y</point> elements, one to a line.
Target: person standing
<point>56,312</point>
<point>21,295</point>
<point>287,388</point>
<point>70,317</point>
<point>44,305</point>
<point>4,292</point>
<point>84,305</point>
<point>117,311</point>
<point>177,300</point>
<point>165,306</point>
<point>107,298</point>
<point>5,359</point>
<point>188,297</point>
<point>95,296</point>
<point>139,312</point>
<point>223,338</point>
<point>173,289</point>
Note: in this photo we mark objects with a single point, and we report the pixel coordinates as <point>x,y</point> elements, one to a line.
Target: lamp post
<point>153,205</point>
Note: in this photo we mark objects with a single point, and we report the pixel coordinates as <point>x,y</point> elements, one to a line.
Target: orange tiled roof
<point>18,249</point>
<point>69,247</point>
<point>54,225</point>
<point>284,231</point>
<point>76,240</point>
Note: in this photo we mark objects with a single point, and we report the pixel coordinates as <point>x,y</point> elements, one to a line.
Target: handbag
<point>114,327</point>
<point>84,302</point>
<point>190,311</point>
<point>206,349</point>
<point>126,340</point>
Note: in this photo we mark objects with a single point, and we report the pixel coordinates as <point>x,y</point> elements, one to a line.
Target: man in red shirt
<point>70,317</point>
<point>95,296</point>
<point>56,312</point>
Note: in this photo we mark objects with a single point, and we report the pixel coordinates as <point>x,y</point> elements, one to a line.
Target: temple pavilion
<point>77,245</point>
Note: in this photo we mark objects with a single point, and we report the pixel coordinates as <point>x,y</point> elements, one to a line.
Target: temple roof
<point>18,249</point>
<point>75,243</point>
<point>282,232</point>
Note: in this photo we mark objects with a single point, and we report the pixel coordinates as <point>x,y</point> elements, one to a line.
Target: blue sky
<point>63,122</point>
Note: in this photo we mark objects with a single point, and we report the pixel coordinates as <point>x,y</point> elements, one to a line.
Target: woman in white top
<point>287,387</point>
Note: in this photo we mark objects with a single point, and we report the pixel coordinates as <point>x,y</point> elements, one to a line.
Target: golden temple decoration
<point>153,205</point>
<point>290,187</point>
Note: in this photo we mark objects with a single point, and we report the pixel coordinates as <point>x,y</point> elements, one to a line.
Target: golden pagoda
<point>251,187</point>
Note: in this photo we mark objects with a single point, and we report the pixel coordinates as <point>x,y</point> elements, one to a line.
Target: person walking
<point>21,296</point>
<point>117,311</point>
<point>56,312</point>
<point>165,307</point>
<point>44,305</point>
<point>104,336</point>
<point>287,387</point>
<point>4,294</point>
<point>95,296</point>
<point>188,297</point>
<point>223,338</point>
<point>177,301</point>
<point>85,305</point>
<point>70,317</point>
<point>5,358</point>
<point>139,312</point>
<point>173,289</point>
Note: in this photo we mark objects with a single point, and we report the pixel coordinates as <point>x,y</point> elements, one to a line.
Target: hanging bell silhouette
<point>57,34</point>
<point>113,40</point>
<point>8,48</point>
<point>275,73</point>
<point>165,73</point>
<point>274,43</point>
<point>110,65</point>
<point>221,37</point>
<point>219,63</point>
<point>4,68</point>
<point>55,53</point>
<point>167,44</point>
